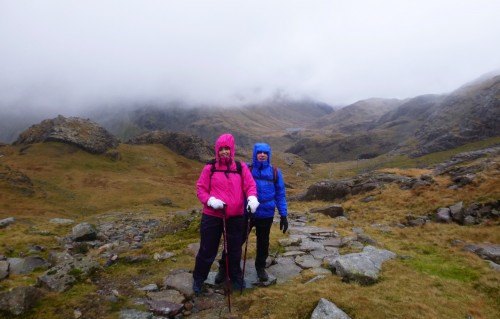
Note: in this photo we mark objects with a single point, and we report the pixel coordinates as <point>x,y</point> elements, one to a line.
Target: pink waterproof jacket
<point>231,188</point>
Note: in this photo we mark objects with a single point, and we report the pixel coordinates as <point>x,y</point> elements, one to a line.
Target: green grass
<point>432,263</point>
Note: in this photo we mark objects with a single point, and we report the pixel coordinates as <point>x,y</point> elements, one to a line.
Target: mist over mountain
<point>311,129</point>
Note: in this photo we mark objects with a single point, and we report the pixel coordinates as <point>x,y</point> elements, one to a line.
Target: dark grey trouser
<point>262,230</point>
<point>210,232</point>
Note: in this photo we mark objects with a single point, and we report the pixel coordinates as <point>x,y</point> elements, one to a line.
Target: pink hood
<point>229,186</point>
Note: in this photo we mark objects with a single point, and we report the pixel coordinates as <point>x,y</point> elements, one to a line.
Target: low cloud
<point>70,55</point>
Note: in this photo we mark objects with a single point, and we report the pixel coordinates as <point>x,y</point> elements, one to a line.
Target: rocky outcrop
<point>475,213</point>
<point>330,190</point>
<point>83,133</point>
<point>471,113</point>
<point>190,146</point>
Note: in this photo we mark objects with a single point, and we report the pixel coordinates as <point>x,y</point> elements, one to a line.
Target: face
<point>224,152</point>
<point>262,156</point>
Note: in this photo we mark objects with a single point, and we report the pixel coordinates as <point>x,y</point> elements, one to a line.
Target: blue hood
<point>261,147</point>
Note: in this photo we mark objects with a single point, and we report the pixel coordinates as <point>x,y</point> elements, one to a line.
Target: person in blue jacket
<point>271,195</point>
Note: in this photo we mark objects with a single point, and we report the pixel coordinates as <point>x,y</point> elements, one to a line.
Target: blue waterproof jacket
<point>270,194</point>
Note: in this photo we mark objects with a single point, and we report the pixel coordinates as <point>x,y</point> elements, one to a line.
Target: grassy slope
<point>437,280</point>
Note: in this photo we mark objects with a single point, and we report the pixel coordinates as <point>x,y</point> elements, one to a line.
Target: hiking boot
<point>239,284</point>
<point>262,274</point>
<point>197,286</point>
<point>221,276</point>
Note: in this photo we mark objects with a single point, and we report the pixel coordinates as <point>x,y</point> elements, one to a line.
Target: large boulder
<point>19,300</point>
<point>72,130</point>
<point>62,276</point>
<point>361,267</point>
<point>190,146</point>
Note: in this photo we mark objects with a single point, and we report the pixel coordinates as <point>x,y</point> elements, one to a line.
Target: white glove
<point>215,203</point>
<point>252,205</point>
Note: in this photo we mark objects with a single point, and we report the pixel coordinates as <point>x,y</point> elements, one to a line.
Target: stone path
<point>315,249</point>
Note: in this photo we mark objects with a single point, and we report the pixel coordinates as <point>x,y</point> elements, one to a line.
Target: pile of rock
<point>475,213</point>
<point>73,130</point>
<point>190,146</point>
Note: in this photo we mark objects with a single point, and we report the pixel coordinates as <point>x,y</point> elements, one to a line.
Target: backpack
<point>213,169</point>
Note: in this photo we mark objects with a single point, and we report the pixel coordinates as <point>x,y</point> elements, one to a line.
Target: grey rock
<point>328,310</point>
<point>170,295</point>
<point>470,220</point>
<point>285,269</point>
<point>84,232</point>
<point>443,215</point>
<point>192,249</point>
<point>285,242</point>
<point>26,265</point>
<point>4,269</point>
<point>494,265</point>
<point>361,267</point>
<point>163,256</point>
<point>135,314</point>
<point>190,146</point>
<point>6,222</point>
<point>62,276</point>
<point>252,279</point>
<point>486,251</point>
<point>182,282</point>
<point>456,212</point>
<point>293,253</point>
<point>307,261</point>
<point>164,308</point>
<point>62,221</point>
<point>331,211</point>
<point>19,300</point>
<point>321,254</point>
<point>150,287</point>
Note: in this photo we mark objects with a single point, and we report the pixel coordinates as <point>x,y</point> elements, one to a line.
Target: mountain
<point>416,126</point>
<point>270,121</point>
<point>470,113</point>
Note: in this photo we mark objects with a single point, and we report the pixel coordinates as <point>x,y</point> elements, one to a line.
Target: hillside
<point>417,126</point>
<point>145,210</point>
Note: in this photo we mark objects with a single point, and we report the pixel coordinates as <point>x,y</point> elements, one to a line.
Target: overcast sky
<point>68,54</point>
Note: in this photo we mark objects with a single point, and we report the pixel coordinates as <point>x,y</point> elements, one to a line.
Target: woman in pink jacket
<point>222,188</point>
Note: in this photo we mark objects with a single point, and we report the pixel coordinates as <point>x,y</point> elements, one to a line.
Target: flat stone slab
<point>313,230</point>
<point>284,270</point>
<point>170,295</point>
<point>309,245</point>
<point>321,254</point>
<point>307,261</point>
<point>182,282</point>
<point>293,253</point>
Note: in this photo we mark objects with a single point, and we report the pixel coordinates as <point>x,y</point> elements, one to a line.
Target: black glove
<point>283,223</point>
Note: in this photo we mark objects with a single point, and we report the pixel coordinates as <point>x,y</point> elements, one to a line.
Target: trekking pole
<point>246,247</point>
<point>228,280</point>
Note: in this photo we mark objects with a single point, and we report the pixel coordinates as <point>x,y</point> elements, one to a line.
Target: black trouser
<point>210,232</point>
<point>262,230</point>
